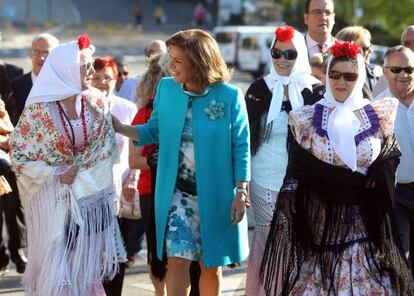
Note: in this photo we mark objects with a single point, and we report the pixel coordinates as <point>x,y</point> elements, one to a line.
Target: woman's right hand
<point>68,176</point>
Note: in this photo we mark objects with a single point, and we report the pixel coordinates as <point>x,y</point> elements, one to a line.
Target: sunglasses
<point>348,76</point>
<point>88,65</point>
<point>289,54</point>
<point>123,73</point>
<point>396,70</point>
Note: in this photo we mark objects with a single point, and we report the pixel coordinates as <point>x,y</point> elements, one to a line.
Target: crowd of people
<point>321,148</point>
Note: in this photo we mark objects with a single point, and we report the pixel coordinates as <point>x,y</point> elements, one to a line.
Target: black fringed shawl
<point>341,195</point>
<point>258,98</point>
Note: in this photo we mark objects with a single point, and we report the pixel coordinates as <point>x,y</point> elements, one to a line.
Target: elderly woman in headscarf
<point>333,232</point>
<point>63,150</point>
<point>288,86</point>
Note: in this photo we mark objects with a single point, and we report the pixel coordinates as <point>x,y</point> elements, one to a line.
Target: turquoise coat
<point>222,157</point>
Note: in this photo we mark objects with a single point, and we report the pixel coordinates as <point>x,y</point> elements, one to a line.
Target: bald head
<point>156,46</point>
<point>42,44</point>
<point>407,37</point>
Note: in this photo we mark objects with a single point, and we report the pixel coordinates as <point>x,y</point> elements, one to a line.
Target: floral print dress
<point>352,274</point>
<point>183,238</point>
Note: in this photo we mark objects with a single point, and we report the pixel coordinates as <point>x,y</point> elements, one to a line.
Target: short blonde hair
<point>353,33</point>
<point>204,55</point>
<point>149,81</point>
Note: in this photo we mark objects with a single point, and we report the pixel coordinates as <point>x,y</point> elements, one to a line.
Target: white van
<point>245,47</point>
<point>253,50</point>
<point>226,37</point>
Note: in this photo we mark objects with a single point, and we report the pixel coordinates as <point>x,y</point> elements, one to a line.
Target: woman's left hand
<point>238,207</point>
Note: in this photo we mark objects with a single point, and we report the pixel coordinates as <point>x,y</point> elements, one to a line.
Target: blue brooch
<point>215,110</point>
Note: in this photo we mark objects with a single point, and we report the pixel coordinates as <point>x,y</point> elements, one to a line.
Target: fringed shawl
<point>73,237</point>
<point>258,98</point>
<point>339,194</point>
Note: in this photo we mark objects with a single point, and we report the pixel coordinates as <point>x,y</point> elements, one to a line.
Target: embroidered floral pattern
<point>215,110</point>
<point>309,125</point>
<point>36,137</point>
<point>183,230</point>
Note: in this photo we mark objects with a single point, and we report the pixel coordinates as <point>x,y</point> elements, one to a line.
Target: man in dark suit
<point>10,203</point>
<point>20,87</point>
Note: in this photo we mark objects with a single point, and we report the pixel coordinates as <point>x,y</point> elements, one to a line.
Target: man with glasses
<point>319,17</point>
<point>42,44</point>
<point>123,72</point>
<point>399,73</point>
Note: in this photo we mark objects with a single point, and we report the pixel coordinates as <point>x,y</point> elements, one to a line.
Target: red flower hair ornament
<point>84,41</point>
<point>284,34</point>
<point>345,49</point>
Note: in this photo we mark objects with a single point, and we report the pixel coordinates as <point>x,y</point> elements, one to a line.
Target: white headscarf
<point>299,79</point>
<point>59,77</point>
<point>343,125</point>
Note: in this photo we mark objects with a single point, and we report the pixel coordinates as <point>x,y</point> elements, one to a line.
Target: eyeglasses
<point>124,73</point>
<point>320,12</point>
<point>348,76</point>
<point>397,70</point>
<point>104,80</point>
<point>43,53</point>
<point>88,65</point>
<point>289,54</point>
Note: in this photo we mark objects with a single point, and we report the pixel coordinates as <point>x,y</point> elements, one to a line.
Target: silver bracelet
<point>241,190</point>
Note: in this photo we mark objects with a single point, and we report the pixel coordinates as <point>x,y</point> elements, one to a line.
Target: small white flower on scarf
<point>215,110</point>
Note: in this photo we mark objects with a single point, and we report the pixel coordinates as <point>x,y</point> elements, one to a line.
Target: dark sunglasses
<point>289,54</point>
<point>123,73</point>
<point>348,76</point>
<point>396,70</point>
<point>88,65</point>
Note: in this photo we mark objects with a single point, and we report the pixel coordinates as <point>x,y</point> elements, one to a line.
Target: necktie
<point>320,46</point>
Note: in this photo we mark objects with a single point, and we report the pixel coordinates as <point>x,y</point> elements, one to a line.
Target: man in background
<point>319,17</point>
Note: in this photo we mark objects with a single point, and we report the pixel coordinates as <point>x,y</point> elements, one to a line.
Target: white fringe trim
<point>72,245</point>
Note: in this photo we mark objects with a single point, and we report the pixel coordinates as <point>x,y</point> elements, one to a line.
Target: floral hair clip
<point>84,41</point>
<point>284,34</point>
<point>345,49</point>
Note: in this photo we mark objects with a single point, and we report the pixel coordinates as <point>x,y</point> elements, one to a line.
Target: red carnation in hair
<point>345,49</point>
<point>284,34</point>
<point>84,41</point>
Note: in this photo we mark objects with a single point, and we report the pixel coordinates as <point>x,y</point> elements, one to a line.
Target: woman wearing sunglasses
<point>333,231</point>
<point>63,150</point>
<point>288,86</point>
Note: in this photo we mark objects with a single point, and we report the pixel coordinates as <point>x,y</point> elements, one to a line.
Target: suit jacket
<point>7,72</point>
<point>20,89</point>
<point>222,157</point>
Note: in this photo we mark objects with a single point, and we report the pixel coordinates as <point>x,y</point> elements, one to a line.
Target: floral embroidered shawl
<point>73,237</point>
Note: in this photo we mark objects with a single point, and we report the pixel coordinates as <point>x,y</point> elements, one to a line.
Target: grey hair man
<point>399,73</point>
<point>42,45</point>
<point>407,37</point>
<point>319,17</point>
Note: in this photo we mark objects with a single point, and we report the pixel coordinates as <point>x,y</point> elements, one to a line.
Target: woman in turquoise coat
<point>201,124</point>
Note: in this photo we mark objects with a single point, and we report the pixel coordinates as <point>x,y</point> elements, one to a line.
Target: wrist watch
<point>241,190</point>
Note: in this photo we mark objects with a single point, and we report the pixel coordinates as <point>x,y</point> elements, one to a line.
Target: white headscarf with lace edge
<point>343,124</point>
<point>59,77</point>
<point>299,79</point>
